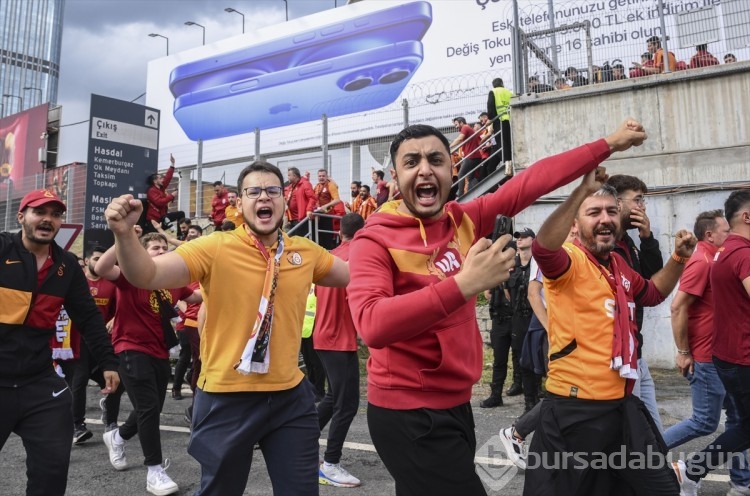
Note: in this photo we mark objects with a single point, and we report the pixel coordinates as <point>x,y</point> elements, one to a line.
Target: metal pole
<point>405,106</point>
<point>589,55</point>
<point>518,76</point>
<point>324,144</point>
<point>664,44</point>
<point>199,181</point>
<point>8,204</point>
<point>551,14</point>
<point>257,143</point>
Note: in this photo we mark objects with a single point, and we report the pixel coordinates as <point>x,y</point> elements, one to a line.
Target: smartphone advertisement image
<point>376,56</point>
<point>349,65</point>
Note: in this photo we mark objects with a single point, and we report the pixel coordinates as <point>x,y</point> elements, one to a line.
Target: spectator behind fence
<point>536,87</point>
<point>639,70</point>
<point>729,58</point>
<point>575,78</point>
<point>654,47</point>
<point>618,72</point>
<point>561,84</point>
<point>702,57</point>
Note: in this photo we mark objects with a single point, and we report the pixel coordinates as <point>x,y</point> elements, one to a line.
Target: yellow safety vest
<point>502,102</point>
<point>309,322</point>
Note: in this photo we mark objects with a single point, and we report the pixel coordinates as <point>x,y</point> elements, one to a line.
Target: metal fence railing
<point>572,43</point>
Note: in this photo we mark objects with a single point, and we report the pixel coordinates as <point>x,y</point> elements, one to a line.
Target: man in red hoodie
<point>415,272</point>
<point>159,199</point>
<point>219,204</point>
<point>300,200</point>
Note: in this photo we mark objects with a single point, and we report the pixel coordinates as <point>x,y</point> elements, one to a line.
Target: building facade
<point>30,41</point>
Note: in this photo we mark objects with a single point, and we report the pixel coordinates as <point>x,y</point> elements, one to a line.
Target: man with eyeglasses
<point>646,261</point>
<point>250,388</point>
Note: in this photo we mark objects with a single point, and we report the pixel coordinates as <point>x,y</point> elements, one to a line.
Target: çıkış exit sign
<point>123,151</point>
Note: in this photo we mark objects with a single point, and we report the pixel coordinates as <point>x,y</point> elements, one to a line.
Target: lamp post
<point>230,10</point>
<point>154,35</point>
<point>191,23</point>
<point>20,109</point>
<point>286,9</point>
<point>34,88</point>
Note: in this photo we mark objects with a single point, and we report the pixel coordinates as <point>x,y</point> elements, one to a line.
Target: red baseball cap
<point>40,197</point>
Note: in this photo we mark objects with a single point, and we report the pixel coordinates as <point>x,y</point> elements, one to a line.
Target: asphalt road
<point>91,474</point>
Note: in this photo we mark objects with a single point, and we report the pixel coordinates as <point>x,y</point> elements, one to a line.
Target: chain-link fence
<point>573,43</point>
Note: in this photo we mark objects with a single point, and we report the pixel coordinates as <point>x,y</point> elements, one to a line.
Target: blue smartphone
<point>405,22</point>
<point>350,66</point>
<point>339,86</point>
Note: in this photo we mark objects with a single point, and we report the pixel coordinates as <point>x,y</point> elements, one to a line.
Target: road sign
<point>123,151</point>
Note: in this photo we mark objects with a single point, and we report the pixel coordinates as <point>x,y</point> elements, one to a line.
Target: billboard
<point>368,55</point>
<point>22,135</point>
<point>123,145</point>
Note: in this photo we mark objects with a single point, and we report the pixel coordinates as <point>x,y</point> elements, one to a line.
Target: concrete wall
<point>698,148</point>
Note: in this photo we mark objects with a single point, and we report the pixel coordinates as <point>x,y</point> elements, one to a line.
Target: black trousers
<point>500,341</point>
<point>427,451</point>
<point>146,379</point>
<point>39,413</point>
<point>341,402</point>
<point>610,447</point>
<point>183,361</point>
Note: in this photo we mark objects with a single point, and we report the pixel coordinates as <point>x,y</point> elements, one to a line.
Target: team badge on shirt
<point>294,258</point>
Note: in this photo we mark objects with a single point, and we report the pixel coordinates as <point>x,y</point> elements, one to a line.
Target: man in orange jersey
<point>590,411</point>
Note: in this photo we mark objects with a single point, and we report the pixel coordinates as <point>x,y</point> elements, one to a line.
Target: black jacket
<point>647,261</point>
<point>28,314</point>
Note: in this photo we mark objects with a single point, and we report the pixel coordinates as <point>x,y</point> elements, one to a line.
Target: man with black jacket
<point>36,278</point>
<point>647,261</point>
<point>501,315</point>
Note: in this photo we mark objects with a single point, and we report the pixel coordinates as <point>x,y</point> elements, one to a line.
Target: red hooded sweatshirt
<point>425,346</point>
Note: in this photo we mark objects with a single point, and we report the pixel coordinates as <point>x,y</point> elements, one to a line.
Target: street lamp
<point>286,9</point>
<point>14,96</point>
<point>33,88</point>
<point>191,23</point>
<point>230,10</point>
<point>154,35</point>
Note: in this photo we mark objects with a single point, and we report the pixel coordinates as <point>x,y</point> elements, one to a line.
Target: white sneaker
<point>335,475</point>
<point>688,487</point>
<point>515,448</point>
<point>737,490</point>
<point>116,451</point>
<point>159,483</point>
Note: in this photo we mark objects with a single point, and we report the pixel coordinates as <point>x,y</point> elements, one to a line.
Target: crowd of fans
<point>652,62</point>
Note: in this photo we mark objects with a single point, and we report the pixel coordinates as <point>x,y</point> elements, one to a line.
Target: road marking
<point>479,460</point>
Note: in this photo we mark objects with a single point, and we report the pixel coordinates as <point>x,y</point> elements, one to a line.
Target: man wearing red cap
<point>36,278</point>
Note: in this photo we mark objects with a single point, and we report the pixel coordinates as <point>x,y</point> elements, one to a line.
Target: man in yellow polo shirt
<point>250,389</point>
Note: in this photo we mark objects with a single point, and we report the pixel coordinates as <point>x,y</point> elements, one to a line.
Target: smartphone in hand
<point>503,226</point>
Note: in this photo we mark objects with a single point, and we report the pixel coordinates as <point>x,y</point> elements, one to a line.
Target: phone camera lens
<point>358,83</point>
<point>393,76</point>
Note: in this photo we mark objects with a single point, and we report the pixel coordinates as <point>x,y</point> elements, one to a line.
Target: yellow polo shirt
<point>231,269</point>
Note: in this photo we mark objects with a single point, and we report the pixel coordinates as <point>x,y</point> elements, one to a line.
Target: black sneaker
<point>491,402</point>
<point>81,434</point>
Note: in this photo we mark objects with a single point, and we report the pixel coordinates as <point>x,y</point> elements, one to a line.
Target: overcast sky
<point>106,47</point>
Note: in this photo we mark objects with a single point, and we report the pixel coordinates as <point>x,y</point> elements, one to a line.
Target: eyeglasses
<point>638,200</point>
<point>254,192</point>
